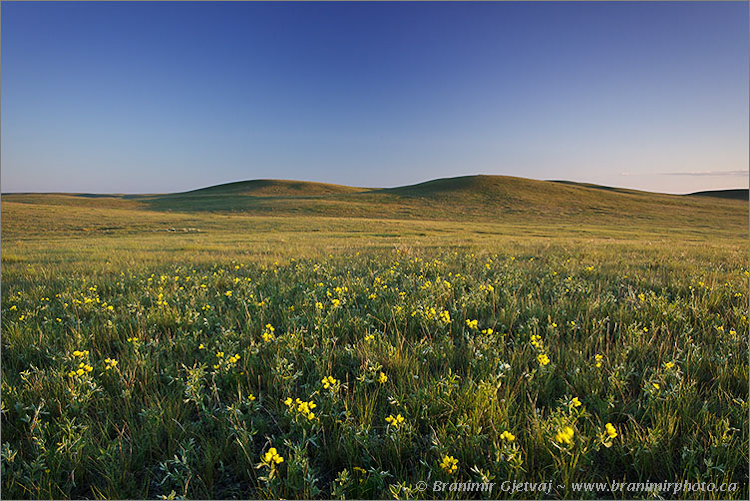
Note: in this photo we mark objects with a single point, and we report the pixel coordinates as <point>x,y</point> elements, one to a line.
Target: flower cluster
<point>304,408</point>
<point>565,436</point>
<point>329,382</point>
<point>272,457</point>
<point>227,363</point>
<point>445,317</point>
<point>268,333</point>
<point>449,464</point>
<point>395,421</point>
<point>611,432</point>
<point>507,436</point>
<point>541,357</point>
<point>83,368</point>
<point>110,363</point>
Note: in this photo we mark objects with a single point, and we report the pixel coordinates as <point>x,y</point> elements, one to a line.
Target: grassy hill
<point>272,188</point>
<point>731,194</point>
<point>469,199</point>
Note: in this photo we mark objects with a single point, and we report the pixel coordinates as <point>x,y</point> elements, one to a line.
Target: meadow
<point>335,345</point>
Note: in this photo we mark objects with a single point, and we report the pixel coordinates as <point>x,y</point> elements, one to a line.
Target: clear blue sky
<point>142,97</point>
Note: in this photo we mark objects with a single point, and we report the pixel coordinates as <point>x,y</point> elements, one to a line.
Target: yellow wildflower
<point>272,457</point>
<point>382,378</point>
<point>449,464</point>
<point>328,382</point>
<point>610,430</point>
<point>598,359</point>
<point>395,421</point>
<point>506,435</point>
<point>565,436</point>
<point>445,317</point>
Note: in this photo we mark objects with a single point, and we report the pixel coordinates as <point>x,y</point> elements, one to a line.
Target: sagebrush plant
<point>358,373</point>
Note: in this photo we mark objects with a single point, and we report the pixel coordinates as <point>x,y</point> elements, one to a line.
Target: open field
<point>161,345</point>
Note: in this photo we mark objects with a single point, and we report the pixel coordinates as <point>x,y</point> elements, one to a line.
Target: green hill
<point>731,194</point>
<point>490,199</point>
<point>272,188</point>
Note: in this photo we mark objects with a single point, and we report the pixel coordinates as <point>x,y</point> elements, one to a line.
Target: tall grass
<point>542,340</point>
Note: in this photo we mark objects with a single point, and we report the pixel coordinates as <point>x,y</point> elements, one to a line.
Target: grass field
<point>291,340</point>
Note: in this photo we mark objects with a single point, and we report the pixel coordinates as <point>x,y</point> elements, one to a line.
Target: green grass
<point>163,293</point>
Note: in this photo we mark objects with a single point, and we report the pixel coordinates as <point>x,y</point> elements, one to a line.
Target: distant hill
<point>273,188</point>
<point>485,198</point>
<point>730,194</point>
<point>466,198</point>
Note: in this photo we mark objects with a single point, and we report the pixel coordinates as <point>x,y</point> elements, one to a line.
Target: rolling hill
<point>489,199</point>
<point>731,194</point>
<point>272,188</point>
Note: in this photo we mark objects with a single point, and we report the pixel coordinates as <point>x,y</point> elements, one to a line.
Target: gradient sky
<point>145,97</point>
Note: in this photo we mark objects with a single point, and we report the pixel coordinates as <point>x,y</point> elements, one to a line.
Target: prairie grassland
<point>152,354</point>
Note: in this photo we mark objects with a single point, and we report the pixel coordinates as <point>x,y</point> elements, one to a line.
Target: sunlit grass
<point>310,358</point>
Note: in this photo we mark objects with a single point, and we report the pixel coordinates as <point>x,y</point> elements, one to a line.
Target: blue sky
<point>146,97</point>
